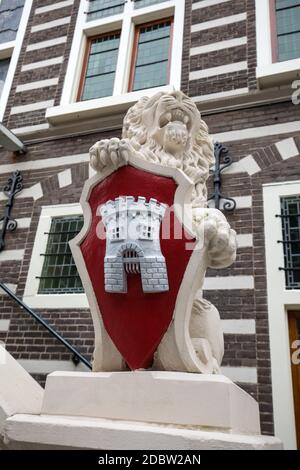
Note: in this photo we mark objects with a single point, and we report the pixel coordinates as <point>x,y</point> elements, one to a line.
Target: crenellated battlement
<point>128,207</point>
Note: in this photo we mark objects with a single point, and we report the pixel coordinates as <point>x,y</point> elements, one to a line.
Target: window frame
<point>69,109</point>
<point>12,49</point>
<point>293,316</point>
<point>279,302</point>
<point>269,71</point>
<point>274,33</point>
<point>86,61</point>
<point>134,50</point>
<point>31,296</point>
<point>286,242</point>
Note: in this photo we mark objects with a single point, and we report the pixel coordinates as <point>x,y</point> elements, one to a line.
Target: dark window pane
<point>101,67</point>
<point>151,67</point>
<point>146,3</point>
<point>59,274</point>
<point>103,8</point>
<point>10,16</point>
<point>4,64</point>
<point>281,4</point>
<point>290,211</point>
<point>288,29</point>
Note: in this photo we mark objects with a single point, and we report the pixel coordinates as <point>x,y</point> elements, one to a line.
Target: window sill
<point>279,73</point>
<point>57,301</point>
<point>6,49</point>
<point>101,107</point>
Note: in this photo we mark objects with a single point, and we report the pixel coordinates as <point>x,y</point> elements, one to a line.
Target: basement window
<point>59,274</point>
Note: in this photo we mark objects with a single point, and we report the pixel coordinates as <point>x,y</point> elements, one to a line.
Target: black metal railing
<point>77,357</point>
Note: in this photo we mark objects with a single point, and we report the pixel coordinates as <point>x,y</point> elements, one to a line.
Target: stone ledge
<point>64,432</point>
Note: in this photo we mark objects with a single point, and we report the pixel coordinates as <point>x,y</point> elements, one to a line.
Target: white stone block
<point>19,392</point>
<point>287,148</point>
<point>209,401</point>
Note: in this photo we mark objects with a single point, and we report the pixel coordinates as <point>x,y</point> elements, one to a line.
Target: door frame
<point>293,316</point>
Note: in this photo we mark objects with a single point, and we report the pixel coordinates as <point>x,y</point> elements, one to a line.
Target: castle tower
<point>133,244</point>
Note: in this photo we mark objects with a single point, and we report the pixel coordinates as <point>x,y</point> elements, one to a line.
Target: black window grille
<point>59,273</point>
<point>290,216</point>
<point>288,29</point>
<point>103,8</point>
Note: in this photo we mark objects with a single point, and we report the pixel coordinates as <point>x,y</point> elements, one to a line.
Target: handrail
<point>77,357</point>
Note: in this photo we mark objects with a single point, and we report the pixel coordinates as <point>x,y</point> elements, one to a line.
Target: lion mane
<point>195,160</point>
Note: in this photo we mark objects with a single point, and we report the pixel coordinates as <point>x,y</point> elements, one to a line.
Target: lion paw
<point>220,240</point>
<point>109,153</point>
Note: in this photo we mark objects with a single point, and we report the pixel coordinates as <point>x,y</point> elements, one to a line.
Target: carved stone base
<point>140,410</point>
<point>210,401</point>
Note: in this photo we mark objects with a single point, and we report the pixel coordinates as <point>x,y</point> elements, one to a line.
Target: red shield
<point>135,321</point>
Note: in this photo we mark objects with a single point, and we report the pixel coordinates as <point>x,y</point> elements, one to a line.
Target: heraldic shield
<point>132,255</point>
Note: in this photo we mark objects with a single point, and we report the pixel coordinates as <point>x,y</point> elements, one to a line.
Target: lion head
<point>168,129</point>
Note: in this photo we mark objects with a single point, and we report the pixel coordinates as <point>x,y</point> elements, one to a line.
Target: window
<point>99,74</point>
<point>115,234</point>
<point>278,42</point>
<point>103,8</point>
<point>59,274</point>
<point>14,15</point>
<point>146,3</point>
<point>52,279</point>
<point>290,215</point>
<point>10,16</point>
<point>131,49</point>
<point>287,29</point>
<point>150,67</point>
<point>147,231</point>
<point>4,64</point>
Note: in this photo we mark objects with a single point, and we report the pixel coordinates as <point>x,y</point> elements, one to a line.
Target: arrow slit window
<point>290,216</point>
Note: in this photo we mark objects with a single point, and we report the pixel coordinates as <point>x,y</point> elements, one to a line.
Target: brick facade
<point>28,341</point>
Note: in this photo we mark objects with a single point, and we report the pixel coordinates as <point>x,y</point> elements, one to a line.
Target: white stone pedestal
<point>210,401</point>
<point>141,410</point>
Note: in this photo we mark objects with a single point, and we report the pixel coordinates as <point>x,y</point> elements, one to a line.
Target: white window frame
<point>12,50</point>
<point>31,296</point>
<point>280,301</point>
<point>69,108</point>
<point>270,73</point>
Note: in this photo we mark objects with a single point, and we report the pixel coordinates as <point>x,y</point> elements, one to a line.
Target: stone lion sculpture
<point>167,129</point>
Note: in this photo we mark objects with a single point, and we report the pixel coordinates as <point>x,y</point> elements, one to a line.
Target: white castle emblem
<point>133,244</point>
